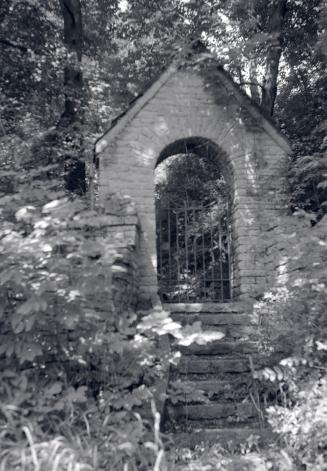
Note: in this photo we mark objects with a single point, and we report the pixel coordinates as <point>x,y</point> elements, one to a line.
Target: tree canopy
<point>79,64</point>
<point>68,68</point>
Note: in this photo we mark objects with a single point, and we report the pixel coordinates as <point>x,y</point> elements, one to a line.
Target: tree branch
<point>8,43</point>
<point>257,84</point>
<point>274,52</point>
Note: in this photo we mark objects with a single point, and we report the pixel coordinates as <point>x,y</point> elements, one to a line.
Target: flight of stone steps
<point>221,369</point>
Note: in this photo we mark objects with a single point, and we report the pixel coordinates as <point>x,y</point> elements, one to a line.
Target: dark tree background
<point>74,65</point>
<point>68,67</point>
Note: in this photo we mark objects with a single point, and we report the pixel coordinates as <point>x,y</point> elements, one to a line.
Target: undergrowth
<point>78,375</point>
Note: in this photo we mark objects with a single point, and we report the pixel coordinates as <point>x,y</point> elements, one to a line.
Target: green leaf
<point>29,352</point>
<point>54,389</point>
<point>32,305</point>
<point>76,395</point>
<point>26,214</point>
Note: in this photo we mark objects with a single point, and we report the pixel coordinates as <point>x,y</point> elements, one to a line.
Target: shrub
<point>293,321</point>
<point>76,371</point>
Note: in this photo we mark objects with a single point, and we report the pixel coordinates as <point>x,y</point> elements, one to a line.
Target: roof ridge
<point>189,58</point>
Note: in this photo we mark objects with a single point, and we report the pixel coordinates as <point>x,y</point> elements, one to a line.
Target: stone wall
<point>184,104</point>
<point>114,226</point>
<point>93,271</point>
<point>120,233</point>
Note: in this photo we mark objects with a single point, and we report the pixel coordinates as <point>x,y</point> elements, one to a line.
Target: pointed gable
<point>222,87</point>
<point>195,105</point>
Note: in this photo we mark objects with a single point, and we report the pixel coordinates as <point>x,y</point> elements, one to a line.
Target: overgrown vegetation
<point>71,370</point>
<point>192,195</point>
<point>71,393</point>
<point>294,315</point>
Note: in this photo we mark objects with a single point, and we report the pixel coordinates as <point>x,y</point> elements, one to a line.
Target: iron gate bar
<point>220,264</point>
<point>211,246</point>
<point>195,243</point>
<point>185,236</point>
<point>177,257</point>
<point>169,243</point>
<point>190,231</point>
<point>203,262</point>
<point>230,265</point>
<point>160,240</point>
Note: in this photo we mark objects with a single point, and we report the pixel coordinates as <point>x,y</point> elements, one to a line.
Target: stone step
<point>228,318</point>
<point>220,347</point>
<point>222,436</point>
<point>234,331</point>
<point>232,307</point>
<point>241,332</point>
<point>214,319</point>
<point>200,377</point>
<point>184,424</point>
<point>193,364</point>
<point>213,387</point>
<point>240,412</point>
<point>220,369</point>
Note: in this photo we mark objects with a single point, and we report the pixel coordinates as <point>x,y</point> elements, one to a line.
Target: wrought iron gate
<point>194,254</point>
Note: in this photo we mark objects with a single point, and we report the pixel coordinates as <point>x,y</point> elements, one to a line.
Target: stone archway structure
<point>207,279</point>
<point>197,103</point>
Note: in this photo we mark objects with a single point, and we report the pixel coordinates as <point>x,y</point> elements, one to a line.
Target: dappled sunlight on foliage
<point>81,373</point>
<point>62,336</point>
<point>161,323</point>
<point>48,454</point>
<point>246,457</point>
<point>298,305</point>
<point>293,321</point>
<point>95,369</point>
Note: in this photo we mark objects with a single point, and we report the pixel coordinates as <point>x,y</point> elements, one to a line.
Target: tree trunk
<point>73,116</point>
<point>73,37</point>
<point>269,90</point>
<point>253,81</point>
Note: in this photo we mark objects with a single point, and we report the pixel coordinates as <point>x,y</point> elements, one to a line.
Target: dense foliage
<point>293,320</point>
<point>67,68</point>
<point>61,337</point>
<point>192,196</point>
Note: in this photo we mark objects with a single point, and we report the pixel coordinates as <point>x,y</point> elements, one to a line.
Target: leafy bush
<point>95,365</point>
<point>303,427</point>
<point>293,320</point>
<point>308,182</point>
<point>78,376</point>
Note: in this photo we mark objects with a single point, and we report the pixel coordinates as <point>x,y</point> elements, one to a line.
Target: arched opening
<point>193,228</point>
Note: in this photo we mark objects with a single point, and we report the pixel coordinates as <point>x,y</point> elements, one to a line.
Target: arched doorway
<point>193,226</point>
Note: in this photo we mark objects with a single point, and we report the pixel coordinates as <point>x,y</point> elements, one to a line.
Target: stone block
<point>198,365</point>
<point>214,411</point>
<point>252,159</point>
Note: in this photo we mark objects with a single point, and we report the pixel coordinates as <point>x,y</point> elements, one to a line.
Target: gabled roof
<point>202,63</point>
